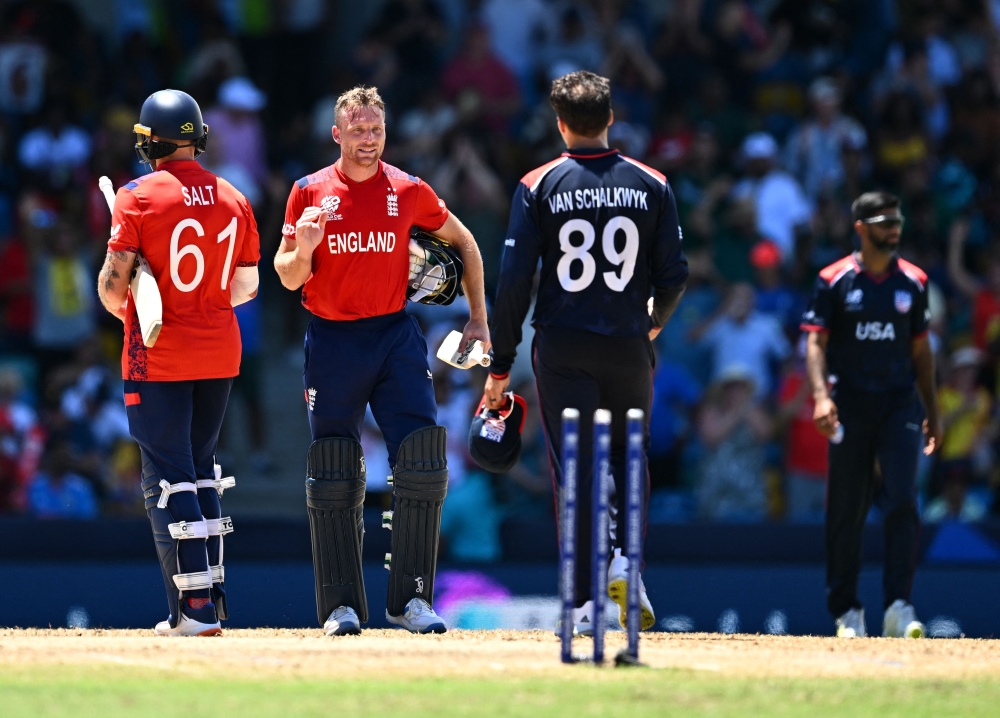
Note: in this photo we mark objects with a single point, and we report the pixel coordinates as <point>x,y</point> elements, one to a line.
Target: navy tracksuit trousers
<point>885,427</point>
<point>177,424</point>
<point>586,371</point>
<point>381,361</point>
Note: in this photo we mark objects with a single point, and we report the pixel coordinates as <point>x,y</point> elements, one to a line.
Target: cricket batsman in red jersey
<point>345,243</point>
<point>199,236</point>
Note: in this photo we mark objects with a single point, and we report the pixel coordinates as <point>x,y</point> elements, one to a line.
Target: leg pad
<point>335,494</point>
<point>420,482</point>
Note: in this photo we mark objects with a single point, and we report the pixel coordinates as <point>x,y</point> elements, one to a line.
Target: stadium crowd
<point>767,116</point>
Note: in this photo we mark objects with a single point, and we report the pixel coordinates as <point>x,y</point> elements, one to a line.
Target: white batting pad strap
<point>219,527</point>
<point>168,488</point>
<point>193,581</point>
<point>188,530</point>
<point>218,573</point>
<point>219,485</point>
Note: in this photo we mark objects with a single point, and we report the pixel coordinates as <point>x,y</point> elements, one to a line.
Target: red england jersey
<point>361,268</point>
<point>194,229</point>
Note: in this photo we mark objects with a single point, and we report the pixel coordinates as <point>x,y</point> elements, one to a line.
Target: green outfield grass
<point>110,691</point>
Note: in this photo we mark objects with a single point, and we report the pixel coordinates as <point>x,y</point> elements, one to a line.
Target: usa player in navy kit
<point>867,339</point>
<point>605,228</point>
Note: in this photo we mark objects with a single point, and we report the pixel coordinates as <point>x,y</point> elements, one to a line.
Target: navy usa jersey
<point>605,228</point>
<point>872,323</point>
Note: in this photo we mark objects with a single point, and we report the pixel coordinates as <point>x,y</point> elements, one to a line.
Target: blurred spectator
<point>415,32</point>
<point>813,152</point>
<point>782,208</point>
<point>56,149</point>
<point>23,64</point>
<point>805,448</point>
<point>966,411</point>
<point>237,151</point>
<point>17,309</point>
<point>733,427</point>
<point>248,385</point>
<point>57,492</point>
<point>675,395</point>
<point>730,228</point>
<point>698,160</point>
<point>634,75</point>
<point>90,400</point>
<point>515,28</point>
<point>575,44</point>
<point>21,442</point>
<point>742,44</point>
<point>741,336</point>
<point>982,292</point>
<point>773,295</point>
<point>64,298</point>
<point>482,88</point>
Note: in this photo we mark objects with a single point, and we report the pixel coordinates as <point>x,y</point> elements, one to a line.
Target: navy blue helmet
<point>171,115</point>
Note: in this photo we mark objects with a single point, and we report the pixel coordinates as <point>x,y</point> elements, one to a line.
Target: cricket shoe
<point>618,592</point>
<point>583,621</point>
<point>418,617</point>
<point>852,624</point>
<point>342,622</point>
<point>201,622</point>
<point>900,621</point>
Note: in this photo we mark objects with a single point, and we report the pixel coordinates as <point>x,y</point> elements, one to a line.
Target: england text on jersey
<point>361,269</point>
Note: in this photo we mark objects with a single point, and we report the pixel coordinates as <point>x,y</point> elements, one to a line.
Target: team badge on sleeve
<point>903,302</point>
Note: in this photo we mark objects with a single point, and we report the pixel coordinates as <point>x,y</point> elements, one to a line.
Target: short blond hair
<point>357,97</point>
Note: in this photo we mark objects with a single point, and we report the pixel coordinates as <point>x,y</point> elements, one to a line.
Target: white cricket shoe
<point>188,627</point>
<point>852,624</point>
<point>583,620</point>
<point>343,621</point>
<point>418,617</point>
<point>618,592</point>
<point>900,621</point>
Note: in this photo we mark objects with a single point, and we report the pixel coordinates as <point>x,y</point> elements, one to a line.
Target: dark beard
<point>885,245</point>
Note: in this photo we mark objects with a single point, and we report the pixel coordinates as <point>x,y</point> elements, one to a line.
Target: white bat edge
<point>108,190</point>
<point>144,290</point>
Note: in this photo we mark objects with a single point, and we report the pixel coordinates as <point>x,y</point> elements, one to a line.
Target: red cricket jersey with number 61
<point>194,229</point>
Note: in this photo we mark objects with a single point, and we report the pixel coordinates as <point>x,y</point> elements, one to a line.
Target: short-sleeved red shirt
<point>194,229</point>
<point>361,269</point>
<point>806,450</point>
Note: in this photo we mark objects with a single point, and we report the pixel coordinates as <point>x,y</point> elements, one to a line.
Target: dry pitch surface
<point>378,653</point>
<point>250,673</point>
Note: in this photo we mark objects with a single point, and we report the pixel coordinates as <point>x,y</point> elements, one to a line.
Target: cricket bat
<point>472,355</point>
<point>145,293</point>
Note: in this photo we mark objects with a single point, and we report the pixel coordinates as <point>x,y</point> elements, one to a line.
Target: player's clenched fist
<point>309,230</point>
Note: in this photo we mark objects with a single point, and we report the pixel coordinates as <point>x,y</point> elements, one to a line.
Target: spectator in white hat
<point>236,136</point>
<point>781,205</point>
<point>813,152</point>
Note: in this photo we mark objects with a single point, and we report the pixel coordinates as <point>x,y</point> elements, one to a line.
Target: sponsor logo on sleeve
<point>288,230</point>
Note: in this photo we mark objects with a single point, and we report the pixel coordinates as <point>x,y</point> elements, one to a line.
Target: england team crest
<point>904,301</point>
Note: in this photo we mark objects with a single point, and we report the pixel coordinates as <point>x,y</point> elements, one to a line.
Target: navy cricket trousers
<point>884,427</point>
<point>381,361</point>
<point>177,424</point>
<point>586,371</point>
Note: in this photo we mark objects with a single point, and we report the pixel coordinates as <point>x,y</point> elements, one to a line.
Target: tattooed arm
<point>112,284</point>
